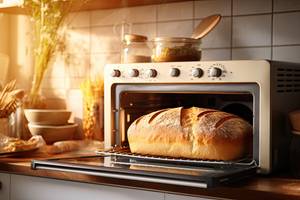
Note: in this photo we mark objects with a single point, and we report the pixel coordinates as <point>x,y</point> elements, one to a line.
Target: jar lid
<point>135,38</point>
<point>176,39</point>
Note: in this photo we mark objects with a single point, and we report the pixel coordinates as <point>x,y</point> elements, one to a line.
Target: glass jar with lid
<point>135,49</point>
<point>169,49</point>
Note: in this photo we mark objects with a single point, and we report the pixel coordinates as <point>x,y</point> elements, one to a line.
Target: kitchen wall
<point>249,29</point>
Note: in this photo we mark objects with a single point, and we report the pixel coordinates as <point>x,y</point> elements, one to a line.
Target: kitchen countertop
<point>262,187</point>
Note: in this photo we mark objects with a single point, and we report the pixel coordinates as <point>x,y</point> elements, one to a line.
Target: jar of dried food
<point>135,49</point>
<point>169,49</point>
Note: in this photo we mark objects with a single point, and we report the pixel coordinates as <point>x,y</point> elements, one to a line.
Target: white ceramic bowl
<point>47,116</point>
<point>52,133</point>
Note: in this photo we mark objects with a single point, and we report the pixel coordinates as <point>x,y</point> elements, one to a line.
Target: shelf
<point>16,8</point>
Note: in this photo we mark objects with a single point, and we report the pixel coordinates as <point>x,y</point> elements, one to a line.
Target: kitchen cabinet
<point>35,188</point>
<point>16,8</point>
<point>5,186</point>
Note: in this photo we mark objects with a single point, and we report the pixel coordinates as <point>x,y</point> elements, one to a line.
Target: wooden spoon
<point>205,26</point>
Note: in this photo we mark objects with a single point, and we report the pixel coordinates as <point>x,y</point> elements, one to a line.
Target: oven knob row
<point>215,72</point>
<point>174,72</point>
<point>115,73</point>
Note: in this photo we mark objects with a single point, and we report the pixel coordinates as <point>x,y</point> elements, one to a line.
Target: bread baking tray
<point>125,152</point>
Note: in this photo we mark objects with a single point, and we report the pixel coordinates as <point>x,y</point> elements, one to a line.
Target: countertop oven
<point>254,90</point>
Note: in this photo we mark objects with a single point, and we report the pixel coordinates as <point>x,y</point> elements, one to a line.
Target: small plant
<point>47,17</point>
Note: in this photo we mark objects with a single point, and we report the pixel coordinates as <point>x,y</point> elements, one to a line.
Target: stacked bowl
<point>51,124</point>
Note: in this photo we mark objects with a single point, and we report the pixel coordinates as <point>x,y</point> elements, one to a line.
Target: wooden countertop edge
<point>258,187</point>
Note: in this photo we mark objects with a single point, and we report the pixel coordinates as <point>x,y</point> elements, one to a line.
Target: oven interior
<point>133,102</point>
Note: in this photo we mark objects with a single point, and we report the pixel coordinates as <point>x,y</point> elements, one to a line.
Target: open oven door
<point>185,173</point>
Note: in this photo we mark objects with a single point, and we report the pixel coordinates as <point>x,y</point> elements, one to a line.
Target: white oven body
<point>221,74</point>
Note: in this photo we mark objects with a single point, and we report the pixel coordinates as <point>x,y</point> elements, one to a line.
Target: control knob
<point>115,73</point>
<point>215,72</point>
<point>133,73</point>
<point>175,72</point>
<point>197,72</point>
<point>151,73</point>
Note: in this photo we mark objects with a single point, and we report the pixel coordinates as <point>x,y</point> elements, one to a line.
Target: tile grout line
<point>90,44</point>
<point>194,15</point>
<point>156,20</point>
<point>231,30</point>
<point>182,20</point>
<point>272,29</point>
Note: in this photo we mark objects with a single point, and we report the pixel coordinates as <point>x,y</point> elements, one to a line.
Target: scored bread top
<point>201,120</point>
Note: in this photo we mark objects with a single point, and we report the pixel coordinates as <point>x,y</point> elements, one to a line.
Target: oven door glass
<point>120,167</point>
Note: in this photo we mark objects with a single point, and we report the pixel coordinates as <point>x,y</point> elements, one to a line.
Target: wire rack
<point>124,152</point>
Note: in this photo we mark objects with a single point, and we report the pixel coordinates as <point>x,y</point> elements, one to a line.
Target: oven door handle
<point>46,166</point>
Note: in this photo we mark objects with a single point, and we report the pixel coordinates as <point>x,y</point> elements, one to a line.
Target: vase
<point>21,129</point>
<point>93,122</point>
<point>8,126</point>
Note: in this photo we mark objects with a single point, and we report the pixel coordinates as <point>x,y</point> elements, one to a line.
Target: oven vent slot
<point>288,80</point>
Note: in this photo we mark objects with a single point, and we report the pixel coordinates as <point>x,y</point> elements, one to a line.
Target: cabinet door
<point>180,197</point>
<point>5,185</point>
<point>34,188</point>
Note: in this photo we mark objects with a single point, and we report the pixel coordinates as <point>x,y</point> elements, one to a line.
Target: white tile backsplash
<point>105,40</point>
<point>77,40</point>
<point>56,103</point>
<point>53,83</point>
<point>286,5</point>
<point>175,11</point>
<point>252,31</point>
<point>148,30</point>
<point>78,65</point>
<point>57,69</point>
<point>220,37</point>
<point>251,53</point>
<point>78,19</point>
<point>216,54</point>
<point>209,7</point>
<point>244,7</point>
<point>98,61</point>
<point>54,93</point>
<point>140,14</point>
<point>73,82</point>
<point>107,17</point>
<point>175,29</point>
<point>93,38</point>
<point>287,53</point>
<point>286,28</point>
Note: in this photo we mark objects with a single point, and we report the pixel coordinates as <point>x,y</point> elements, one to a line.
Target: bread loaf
<point>196,133</point>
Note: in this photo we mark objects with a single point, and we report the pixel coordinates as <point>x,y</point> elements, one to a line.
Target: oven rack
<point>125,153</point>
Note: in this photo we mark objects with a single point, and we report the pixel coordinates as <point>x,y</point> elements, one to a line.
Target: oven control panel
<point>202,71</point>
<point>180,70</point>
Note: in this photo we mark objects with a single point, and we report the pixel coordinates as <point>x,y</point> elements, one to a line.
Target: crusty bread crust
<point>197,133</point>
